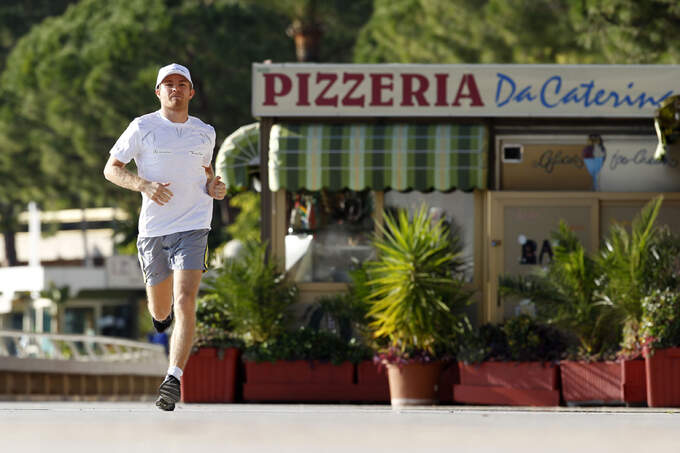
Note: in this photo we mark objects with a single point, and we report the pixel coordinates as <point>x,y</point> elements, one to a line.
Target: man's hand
<point>158,192</point>
<point>216,188</point>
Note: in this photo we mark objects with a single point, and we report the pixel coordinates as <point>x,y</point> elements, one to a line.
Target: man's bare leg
<point>186,284</point>
<point>159,298</point>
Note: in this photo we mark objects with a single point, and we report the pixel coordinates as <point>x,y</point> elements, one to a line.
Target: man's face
<point>175,92</point>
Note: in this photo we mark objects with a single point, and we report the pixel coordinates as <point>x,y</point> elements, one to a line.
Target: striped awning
<point>378,156</point>
<point>239,155</point>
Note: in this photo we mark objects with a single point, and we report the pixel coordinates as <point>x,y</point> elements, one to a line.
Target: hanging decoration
<point>667,125</point>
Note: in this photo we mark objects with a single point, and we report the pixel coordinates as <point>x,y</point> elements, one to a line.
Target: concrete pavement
<point>139,427</point>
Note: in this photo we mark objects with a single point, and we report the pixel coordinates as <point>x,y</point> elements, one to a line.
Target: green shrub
<point>213,327</point>
<point>660,326</point>
<point>308,344</point>
<point>252,294</point>
<point>520,339</point>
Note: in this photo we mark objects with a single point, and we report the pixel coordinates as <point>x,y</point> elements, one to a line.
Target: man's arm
<point>116,172</point>
<point>213,186</point>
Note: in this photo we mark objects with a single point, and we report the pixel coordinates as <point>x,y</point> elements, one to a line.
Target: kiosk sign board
<point>400,90</point>
<point>626,164</point>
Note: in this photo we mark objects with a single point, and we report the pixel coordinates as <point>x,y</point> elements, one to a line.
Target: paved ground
<point>139,427</point>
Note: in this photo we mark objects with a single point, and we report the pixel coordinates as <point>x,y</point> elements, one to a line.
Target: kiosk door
<point>518,238</point>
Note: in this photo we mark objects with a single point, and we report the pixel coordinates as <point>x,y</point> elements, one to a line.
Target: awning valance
<point>239,154</point>
<point>378,156</point>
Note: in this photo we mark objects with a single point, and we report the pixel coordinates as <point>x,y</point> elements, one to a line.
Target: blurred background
<point>73,74</point>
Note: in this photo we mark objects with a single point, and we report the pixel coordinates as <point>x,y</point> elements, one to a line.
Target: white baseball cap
<point>173,68</point>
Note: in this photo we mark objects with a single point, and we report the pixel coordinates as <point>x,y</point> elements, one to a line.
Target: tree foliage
<point>630,31</point>
<point>18,16</point>
<point>468,31</point>
<point>521,31</point>
<point>339,22</point>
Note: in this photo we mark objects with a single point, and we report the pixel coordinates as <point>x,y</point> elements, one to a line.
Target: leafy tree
<point>521,31</point>
<point>16,18</point>
<point>630,31</point>
<point>469,31</point>
<point>338,21</point>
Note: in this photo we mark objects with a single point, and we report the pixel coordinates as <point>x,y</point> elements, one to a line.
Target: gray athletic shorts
<point>159,256</point>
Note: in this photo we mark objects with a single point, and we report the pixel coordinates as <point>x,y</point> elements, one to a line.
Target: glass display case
<point>328,234</point>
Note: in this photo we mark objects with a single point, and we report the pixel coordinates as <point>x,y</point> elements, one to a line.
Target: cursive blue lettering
<point>586,96</point>
<point>525,94</point>
<point>544,100</point>
<point>598,97</point>
<point>502,79</point>
<point>553,94</point>
<point>571,96</point>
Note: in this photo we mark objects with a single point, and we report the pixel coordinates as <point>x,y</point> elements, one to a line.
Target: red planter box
<point>662,367</point>
<point>298,380</point>
<point>450,376</point>
<point>634,382</point>
<point>372,384</point>
<point>508,383</point>
<point>210,376</point>
<point>603,382</point>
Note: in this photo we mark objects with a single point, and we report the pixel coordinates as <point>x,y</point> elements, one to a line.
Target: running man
<point>173,153</point>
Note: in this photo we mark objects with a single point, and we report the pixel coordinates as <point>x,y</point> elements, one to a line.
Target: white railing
<point>88,354</point>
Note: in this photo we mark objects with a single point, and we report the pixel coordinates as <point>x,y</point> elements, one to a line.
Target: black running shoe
<point>168,393</point>
<point>160,326</point>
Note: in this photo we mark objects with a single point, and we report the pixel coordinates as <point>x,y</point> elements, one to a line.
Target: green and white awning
<point>239,155</point>
<point>378,156</point>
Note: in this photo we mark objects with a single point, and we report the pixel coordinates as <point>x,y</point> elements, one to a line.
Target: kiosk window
<point>328,233</point>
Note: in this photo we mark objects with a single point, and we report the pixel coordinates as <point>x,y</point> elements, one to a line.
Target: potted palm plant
<point>416,294</point>
<point>598,302</point>
<point>566,295</point>
<point>635,264</point>
<point>629,261</point>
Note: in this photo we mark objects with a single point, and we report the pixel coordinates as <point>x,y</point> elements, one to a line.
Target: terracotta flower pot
<point>413,384</point>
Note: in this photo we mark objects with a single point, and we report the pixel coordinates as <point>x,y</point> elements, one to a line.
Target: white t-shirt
<point>174,153</point>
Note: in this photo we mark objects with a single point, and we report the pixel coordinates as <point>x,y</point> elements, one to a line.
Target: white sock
<point>175,371</point>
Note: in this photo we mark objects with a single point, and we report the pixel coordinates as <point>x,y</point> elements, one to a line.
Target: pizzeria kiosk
<point>504,152</point>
